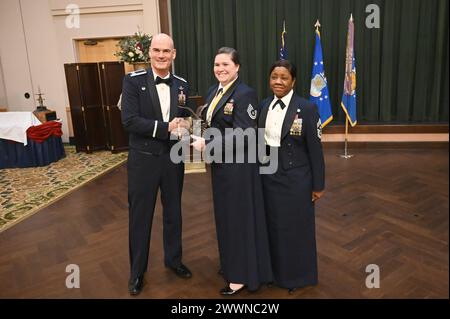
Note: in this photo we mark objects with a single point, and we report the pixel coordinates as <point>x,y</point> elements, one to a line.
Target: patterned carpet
<point>24,191</point>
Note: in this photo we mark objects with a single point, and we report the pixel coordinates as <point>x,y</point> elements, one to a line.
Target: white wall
<point>3,98</point>
<point>85,4</point>
<point>34,49</point>
<point>13,54</point>
<point>152,24</point>
<point>45,65</point>
<point>94,26</point>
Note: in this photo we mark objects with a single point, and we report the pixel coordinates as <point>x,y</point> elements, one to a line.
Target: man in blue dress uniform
<point>150,113</point>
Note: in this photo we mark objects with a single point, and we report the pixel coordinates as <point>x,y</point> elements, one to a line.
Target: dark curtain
<point>402,67</point>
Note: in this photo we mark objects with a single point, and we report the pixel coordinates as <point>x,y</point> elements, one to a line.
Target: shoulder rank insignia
<point>138,72</point>
<point>251,112</point>
<point>296,128</point>
<point>228,109</point>
<point>179,78</point>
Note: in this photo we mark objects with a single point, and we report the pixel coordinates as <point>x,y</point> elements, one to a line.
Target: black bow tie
<point>167,81</point>
<point>281,103</point>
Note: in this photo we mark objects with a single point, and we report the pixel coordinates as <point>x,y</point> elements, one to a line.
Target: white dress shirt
<point>275,119</point>
<point>164,97</point>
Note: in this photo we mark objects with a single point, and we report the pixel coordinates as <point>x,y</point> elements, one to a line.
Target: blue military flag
<point>349,96</point>
<point>283,49</point>
<point>319,88</point>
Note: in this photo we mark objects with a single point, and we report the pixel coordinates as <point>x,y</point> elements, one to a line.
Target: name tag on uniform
<point>228,108</point>
<point>296,128</point>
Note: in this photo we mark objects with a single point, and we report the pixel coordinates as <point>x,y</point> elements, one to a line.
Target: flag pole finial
<point>317,25</point>
<point>351,16</point>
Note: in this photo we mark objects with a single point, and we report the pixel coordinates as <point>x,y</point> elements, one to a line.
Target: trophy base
<point>194,167</point>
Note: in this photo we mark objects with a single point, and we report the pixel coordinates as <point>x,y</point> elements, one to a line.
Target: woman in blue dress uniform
<point>237,190</point>
<point>292,128</point>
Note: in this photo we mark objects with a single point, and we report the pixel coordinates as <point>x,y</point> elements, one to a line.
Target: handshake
<point>179,126</point>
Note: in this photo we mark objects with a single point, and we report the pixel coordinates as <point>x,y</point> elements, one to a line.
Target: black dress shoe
<point>292,290</point>
<point>227,291</point>
<point>135,285</point>
<point>182,271</point>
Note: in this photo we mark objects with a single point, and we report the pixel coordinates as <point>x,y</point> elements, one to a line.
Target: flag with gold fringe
<point>348,103</point>
<point>319,88</point>
<point>283,49</point>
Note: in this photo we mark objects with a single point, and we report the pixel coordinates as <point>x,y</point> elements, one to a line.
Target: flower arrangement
<point>134,48</point>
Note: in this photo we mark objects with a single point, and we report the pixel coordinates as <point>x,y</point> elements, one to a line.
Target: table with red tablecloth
<point>37,145</point>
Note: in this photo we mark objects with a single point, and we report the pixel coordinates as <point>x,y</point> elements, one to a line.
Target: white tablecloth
<point>14,125</point>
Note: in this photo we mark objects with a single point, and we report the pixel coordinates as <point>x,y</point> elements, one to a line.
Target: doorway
<point>98,50</point>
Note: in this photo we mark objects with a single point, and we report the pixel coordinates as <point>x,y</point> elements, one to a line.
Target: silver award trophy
<point>198,125</point>
<point>194,161</point>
